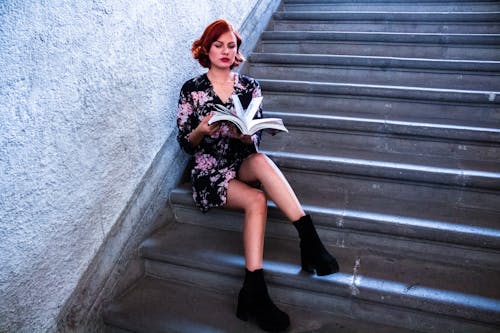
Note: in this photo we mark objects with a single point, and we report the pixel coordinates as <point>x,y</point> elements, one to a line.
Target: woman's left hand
<point>246,139</point>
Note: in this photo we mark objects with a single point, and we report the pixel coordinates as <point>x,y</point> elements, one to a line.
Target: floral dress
<point>217,158</point>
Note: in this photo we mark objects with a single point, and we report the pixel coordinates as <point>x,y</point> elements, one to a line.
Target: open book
<point>243,119</point>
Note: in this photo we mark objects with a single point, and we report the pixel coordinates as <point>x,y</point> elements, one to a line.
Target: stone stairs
<point>394,148</point>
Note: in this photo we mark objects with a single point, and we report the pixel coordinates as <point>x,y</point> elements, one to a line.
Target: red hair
<point>212,32</point>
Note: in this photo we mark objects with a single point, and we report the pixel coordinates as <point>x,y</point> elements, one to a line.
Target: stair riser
<point>411,27</point>
<point>329,143</point>
<point>476,52</point>
<point>373,75</point>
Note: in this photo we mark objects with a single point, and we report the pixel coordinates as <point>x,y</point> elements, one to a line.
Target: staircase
<point>393,109</point>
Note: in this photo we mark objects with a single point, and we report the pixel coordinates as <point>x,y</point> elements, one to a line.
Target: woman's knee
<point>259,160</point>
<point>257,202</point>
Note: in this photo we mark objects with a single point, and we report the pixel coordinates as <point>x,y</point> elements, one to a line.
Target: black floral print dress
<point>216,159</point>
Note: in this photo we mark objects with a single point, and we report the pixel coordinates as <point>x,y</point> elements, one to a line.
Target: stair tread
<point>393,5</point>
<point>396,160</point>
<point>491,96</point>
<point>394,215</point>
<point>220,251</point>
<point>385,36</point>
<point>350,40</point>
<point>384,102</point>
<point>161,306</point>
<point>468,131</point>
<point>382,61</point>
<point>377,71</point>
<point>481,174</point>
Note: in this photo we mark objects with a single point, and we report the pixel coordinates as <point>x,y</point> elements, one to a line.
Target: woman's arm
<point>203,129</point>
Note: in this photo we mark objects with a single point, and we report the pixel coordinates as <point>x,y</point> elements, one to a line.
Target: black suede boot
<point>254,301</point>
<point>313,254</point>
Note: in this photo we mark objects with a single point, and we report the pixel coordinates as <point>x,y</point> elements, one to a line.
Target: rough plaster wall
<point>88,91</point>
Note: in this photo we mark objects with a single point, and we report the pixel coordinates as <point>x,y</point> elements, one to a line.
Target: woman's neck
<point>220,76</point>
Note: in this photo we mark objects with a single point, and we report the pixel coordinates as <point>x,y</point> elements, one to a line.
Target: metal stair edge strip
<point>471,307</point>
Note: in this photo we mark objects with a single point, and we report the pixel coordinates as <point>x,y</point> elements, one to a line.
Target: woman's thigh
<point>240,195</point>
<point>253,167</point>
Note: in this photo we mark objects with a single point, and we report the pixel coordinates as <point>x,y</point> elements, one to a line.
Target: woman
<point>228,171</point>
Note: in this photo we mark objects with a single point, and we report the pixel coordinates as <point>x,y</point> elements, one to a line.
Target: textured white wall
<point>88,91</point>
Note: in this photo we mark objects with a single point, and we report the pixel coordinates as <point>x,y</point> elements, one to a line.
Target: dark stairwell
<point>394,148</point>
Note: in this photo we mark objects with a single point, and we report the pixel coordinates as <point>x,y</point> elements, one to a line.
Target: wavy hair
<point>201,46</point>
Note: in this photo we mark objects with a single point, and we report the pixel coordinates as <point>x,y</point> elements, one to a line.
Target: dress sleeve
<point>186,120</point>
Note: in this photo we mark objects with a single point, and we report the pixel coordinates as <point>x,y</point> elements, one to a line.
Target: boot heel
<point>242,312</point>
<point>328,269</point>
<point>307,265</point>
<point>325,268</point>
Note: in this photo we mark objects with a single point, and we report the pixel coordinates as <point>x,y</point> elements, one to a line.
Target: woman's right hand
<point>205,128</point>
<point>202,130</point>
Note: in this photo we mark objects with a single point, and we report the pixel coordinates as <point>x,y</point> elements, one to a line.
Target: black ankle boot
<point>313,254</point>
<point>254,301</point>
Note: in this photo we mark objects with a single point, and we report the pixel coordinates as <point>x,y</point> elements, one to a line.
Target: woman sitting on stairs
<point>228,171</point>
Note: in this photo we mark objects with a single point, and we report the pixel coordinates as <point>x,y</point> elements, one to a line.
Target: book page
<point>252,109</point>
<point>240,113</point>
<point>263,123</point>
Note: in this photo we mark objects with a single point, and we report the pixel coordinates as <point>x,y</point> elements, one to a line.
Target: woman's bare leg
<point>254,203</point>
<point>259,168</point>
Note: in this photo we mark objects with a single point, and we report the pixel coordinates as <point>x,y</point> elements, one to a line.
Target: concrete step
<point>182,248</point>
<point>166,306</point>
<point>446,137</point>
<point>341,181</point>
<point>391,5</point>
<point>394,44</point>
<point>332,141</point>
<point>377,206</point>
<point>427,22</point>
<point>397,166</point>
<point>453,107</point>
<point>432,73</point>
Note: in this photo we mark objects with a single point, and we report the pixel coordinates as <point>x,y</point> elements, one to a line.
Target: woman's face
<point>223,51</point>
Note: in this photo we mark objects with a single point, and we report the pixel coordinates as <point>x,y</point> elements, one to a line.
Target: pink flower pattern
<point>216,159</point>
